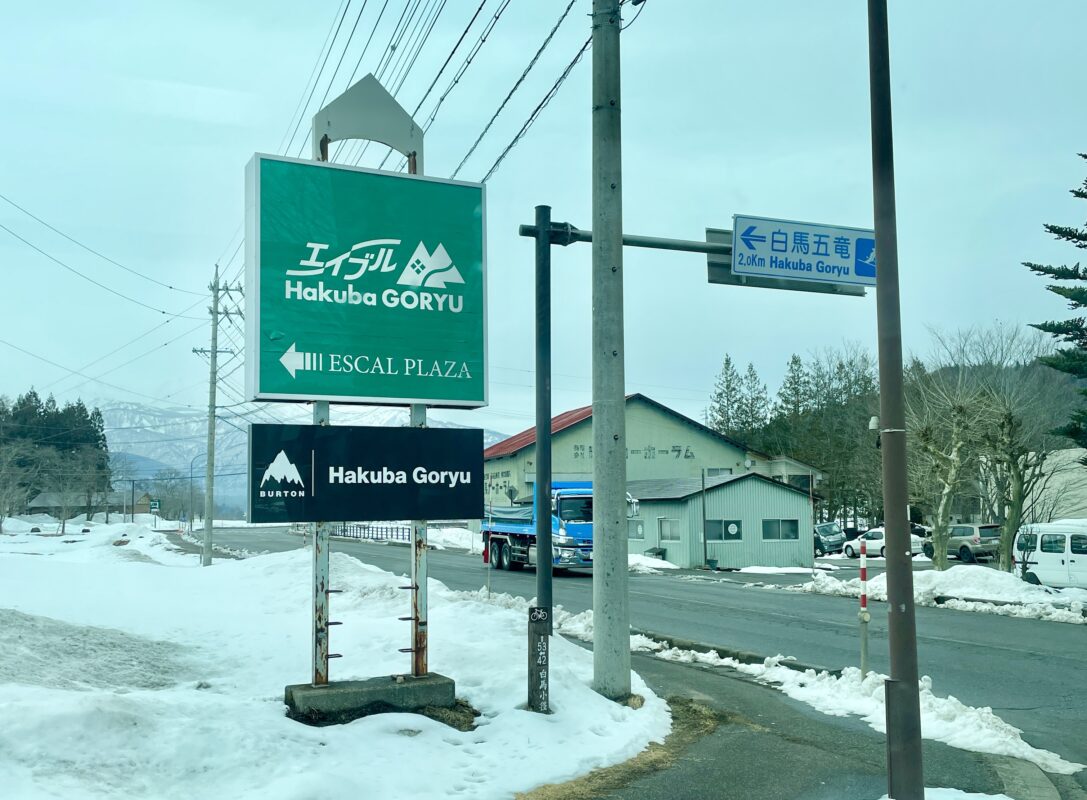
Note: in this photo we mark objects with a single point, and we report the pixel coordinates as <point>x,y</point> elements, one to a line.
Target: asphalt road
<point>1028,671</point>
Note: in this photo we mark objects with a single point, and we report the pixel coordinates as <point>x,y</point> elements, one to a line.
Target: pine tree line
<point>45,447</point>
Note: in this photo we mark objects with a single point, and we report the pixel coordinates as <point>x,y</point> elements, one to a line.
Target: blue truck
<point>509,532</point>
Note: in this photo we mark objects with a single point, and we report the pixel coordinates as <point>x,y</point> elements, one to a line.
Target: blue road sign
<point>807,251</point>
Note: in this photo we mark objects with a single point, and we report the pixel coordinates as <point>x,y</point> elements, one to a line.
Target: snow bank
<point>159,679</point>
<point>955,794</point>
<point>784,570</point>
<point>644,565</point>
<point>459,538</point>
<point>943,719</point>
<point>973,583</point>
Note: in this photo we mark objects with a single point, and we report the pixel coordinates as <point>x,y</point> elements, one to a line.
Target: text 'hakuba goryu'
<point>424,274</point>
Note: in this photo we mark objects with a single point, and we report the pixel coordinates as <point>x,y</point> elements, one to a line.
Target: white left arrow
<point>292,360</point>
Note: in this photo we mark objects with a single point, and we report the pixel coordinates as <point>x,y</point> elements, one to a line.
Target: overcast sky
<point>128,126</point>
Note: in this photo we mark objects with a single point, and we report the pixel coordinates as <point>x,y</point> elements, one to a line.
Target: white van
<point>1052,553</point>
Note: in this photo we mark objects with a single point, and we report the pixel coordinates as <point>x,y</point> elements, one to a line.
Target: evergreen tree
<point>725,400</point>
<point>794,396</point>
<point>754,406</point>
<point>1072,332</point>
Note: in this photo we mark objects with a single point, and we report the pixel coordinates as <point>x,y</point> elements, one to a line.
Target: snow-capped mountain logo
<point>281,470</point>
<point>430,270</point>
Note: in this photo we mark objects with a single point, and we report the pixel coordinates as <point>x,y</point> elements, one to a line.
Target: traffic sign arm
<point>564,233</point>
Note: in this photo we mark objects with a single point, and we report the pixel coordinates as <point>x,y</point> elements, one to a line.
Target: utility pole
<point>611,612</point>
<point>217,289</point>
<point>209,474</point>
<point>905,775</point>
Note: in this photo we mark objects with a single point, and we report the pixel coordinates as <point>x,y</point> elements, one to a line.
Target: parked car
<point>1052,553</point>
<point>876,544</point>
<point>829,538</point>
<point>971,542</point>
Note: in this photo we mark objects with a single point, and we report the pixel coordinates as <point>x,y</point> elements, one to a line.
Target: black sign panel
<point>324,473</point>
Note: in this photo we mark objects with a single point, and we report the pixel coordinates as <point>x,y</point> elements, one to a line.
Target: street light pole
<point>905,776</point>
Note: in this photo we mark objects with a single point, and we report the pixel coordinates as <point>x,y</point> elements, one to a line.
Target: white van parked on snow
<point>1052,553</point>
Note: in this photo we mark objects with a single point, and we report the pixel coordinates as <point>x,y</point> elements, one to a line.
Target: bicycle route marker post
<point>539,662</point>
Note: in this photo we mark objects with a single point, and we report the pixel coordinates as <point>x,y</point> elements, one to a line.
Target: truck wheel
<point>506,561</point>
<point>966,556</point>
<point>496,554</point>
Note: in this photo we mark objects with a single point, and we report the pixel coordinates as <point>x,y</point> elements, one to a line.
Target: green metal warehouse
<point>749,520</point>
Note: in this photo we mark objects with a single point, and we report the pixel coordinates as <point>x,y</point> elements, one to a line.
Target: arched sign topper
<point>368,111</point>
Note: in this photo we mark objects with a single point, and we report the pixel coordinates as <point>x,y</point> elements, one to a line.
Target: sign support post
<point>418,575</point>
<point>321,532</point>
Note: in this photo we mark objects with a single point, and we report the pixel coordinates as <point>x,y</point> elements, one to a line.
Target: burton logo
<point>281,471</point>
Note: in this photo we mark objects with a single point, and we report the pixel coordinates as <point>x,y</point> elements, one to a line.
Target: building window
<point>801,482</point>
<point>775,529</point>
<point>724,530</point>
<point>635,529</point>
<point>717,472</point>
<point>668,529</point>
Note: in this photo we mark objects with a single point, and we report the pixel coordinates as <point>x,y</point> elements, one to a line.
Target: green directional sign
<point>363,286</point>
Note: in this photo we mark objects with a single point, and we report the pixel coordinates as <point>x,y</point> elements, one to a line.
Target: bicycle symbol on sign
<point>538,615</point>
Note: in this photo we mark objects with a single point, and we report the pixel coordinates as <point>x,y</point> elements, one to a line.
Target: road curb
<point>1024,780</point>
<point>743,656</point>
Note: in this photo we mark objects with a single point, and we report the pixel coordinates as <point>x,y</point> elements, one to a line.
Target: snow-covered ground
<point>943,719</point>
<point>787,570</point>
<point>644,565</point>
<point>459,538</point>
<point>128,671</point>
<point>983,590</point>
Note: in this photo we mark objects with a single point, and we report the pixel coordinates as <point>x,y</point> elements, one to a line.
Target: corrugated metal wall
<point>750,501</point>
<point>649,513</point>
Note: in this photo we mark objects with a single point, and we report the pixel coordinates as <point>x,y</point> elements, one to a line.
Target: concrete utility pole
<point>905,775</point>
<point>611,611</point>
<point>209,479</point>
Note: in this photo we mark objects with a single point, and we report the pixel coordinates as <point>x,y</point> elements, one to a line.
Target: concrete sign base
<point>344,701</point>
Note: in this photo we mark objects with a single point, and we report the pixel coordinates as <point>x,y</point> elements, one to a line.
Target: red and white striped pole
<point>863,615</point>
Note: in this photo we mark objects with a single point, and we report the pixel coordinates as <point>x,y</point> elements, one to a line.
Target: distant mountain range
<point>144,439</point>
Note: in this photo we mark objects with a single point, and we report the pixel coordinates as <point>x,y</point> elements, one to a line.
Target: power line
<point>467,62</point>
<point>462,69</point>
<point>339,63</point>
<point>82,375</point>
<point>141,355</point>
<point>328,52</point>
<point>357,148</point>
<point>100,285</point>
<point>516,86</point>
<point>448,58</point>
<point>366,46</point>
<point>398,78</point>
<point>129,343</point>
<point>536,111</point>
<point>89,249</point>
<point>299,107</point>
<point>397,84</point>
